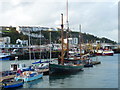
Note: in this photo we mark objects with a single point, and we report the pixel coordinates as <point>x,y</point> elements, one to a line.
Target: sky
<point>97,17</point>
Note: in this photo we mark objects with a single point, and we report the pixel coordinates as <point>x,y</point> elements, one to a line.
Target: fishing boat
<point>28,76</point>
<point>62,67</point>
<point>11,83</point>
<point>105,52</point>
<point>85,59</point>
<point>16,66</point>
<point>108,53</point>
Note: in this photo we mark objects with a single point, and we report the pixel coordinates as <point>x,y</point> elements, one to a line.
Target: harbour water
<point>104,75</point>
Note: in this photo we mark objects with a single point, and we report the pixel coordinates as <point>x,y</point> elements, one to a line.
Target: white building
<point>33,28</point>
<point>4,40</point>
<point>22,42</point>
<point>72,40</point>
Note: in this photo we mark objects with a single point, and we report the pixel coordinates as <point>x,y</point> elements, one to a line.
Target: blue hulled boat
<point>4,56</point>
<point>28,76</point>
<point>11,83</point>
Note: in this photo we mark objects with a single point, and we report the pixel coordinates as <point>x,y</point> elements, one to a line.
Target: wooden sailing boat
<point>65,68</point>
<point>87,61</point>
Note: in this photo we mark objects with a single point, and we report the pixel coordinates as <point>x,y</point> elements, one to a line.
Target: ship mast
<point>29,45</point>
<point>80,36</point>
<point>67,31</point>
<point>62,52</point>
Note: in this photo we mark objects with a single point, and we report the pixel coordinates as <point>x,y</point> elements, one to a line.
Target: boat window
<point>12,66</point>
<point>23,65</point>
<point>18,65</point>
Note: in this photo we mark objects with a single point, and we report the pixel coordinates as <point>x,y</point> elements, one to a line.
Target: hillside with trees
<point>14,35</point>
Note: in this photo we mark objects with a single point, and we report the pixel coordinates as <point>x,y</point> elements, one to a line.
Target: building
<point>22,42</point>
<point>4,40</point>
<point>28,30</point>
<point>33,28</point>
<point>72,41</point>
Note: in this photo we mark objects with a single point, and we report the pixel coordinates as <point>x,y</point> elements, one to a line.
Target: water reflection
<point>61,79</point>
<point>32,84</point>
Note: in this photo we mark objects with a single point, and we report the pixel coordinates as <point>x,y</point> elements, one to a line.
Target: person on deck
<point>59,59</point>
<point>19,72</point>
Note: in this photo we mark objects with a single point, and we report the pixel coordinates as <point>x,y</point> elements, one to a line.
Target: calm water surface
<point>104,75</point>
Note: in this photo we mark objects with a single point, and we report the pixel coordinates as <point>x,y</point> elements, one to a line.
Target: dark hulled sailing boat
<point>63,67</point>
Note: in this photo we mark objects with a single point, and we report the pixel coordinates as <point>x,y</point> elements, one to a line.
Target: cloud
<point>97,17</point>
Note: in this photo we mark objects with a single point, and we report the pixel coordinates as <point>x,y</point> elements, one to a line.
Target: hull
<point>99,54</point>
<point>105,53</point>
<point>96,62</point>
<point>28,79</point>
<point>5,58</point>
<point>64,69</point>
<point>13,85</point>
<point>108,54</point>
<point>88,65</point>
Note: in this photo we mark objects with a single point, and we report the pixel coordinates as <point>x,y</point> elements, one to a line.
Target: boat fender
<point>5,84</point>
<point>27,74</point>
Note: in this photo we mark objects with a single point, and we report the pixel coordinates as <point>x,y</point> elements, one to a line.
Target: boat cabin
<point>16,66</point>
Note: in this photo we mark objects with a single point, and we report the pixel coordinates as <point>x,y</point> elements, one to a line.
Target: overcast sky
<point>97,17</point>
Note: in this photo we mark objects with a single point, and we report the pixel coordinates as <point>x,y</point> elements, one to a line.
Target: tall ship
<point>63,66</point>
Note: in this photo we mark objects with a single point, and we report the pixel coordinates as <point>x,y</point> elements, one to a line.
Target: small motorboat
<point>28,76</point>
<point>88,65</point>
<point>96,62</point>
<point>11,83</point>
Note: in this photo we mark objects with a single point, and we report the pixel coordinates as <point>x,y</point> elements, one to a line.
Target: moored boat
<point>65,69</point>
<point>108,52</point>
<point>4,56</point>
<point>99,52</point>
<point>62,67</point>
<point>29,76</point>
<point>11,83</point>
<point>96,62</point>
<point>105,53</point>
<point>88,63</point>
<point>17,66</point>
